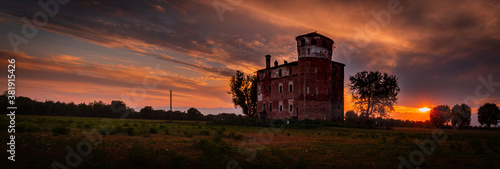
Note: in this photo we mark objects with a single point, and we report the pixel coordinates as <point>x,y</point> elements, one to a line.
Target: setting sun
<point>424,109</point>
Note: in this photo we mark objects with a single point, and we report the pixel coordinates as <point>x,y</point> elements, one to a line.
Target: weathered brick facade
<point>310,88</point>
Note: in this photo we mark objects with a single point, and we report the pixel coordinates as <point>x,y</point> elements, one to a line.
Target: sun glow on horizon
<point>424,109</point>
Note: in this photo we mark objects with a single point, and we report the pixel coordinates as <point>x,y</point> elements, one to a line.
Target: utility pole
<point>171,112</point>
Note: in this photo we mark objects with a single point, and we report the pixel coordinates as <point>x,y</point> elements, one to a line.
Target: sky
<point>443,52</point>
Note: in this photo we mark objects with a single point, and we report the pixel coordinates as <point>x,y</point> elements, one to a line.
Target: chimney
<point>275,63</point>
<point>286,62</point>
<point>268,61</point>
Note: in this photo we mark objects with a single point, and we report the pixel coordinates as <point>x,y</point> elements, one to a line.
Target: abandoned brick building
<point>310,88</point>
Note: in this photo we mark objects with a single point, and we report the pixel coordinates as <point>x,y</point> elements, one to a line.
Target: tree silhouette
<point>488,114</point>
<point>351,116</point>
<point>373,92</point>
<point>244,92</point>
<point>460,115</point>
<point>440,115</point>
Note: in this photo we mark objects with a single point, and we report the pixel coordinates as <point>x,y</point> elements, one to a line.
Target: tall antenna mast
<point>171,112</point>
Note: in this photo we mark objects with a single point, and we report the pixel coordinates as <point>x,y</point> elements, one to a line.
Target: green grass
<point>185,144</point>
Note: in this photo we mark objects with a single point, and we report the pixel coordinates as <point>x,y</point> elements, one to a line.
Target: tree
<point>373,93</point>
<point>488,114</point>
<point>439,115</point>
<point>460,115</point>
<point>244,92</point>
<point>351,116</point>
<point>194,114</point>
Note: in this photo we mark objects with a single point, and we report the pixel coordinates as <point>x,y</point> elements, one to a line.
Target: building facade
<point>310,88</point>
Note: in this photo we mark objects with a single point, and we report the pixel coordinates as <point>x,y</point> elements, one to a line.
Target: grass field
<point>114,143</point>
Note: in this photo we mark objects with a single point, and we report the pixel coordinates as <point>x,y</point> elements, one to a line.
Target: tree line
<point>115,109</point>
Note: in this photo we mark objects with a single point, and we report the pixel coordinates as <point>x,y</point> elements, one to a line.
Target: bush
<point>205,132</point>
<point>117,130</point>
<point>60,130</point>
<point>238,137</point>
<point>167,132</point>
<point>130,131</point>
<point>153,131</point>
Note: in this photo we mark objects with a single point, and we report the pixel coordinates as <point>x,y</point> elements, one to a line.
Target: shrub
<point>205,132</point>
<point>238,137</point>
<point>117,130</point>
<point>167,132</point>
<point>130,131</point>
<point>153,130</point>
<point>60,130</point>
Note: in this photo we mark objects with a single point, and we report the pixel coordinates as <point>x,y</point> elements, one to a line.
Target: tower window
<point>290,88</point>
<point>270,107</point>
<point>290,71</point>
<point>313,42</point>
<point>281,108</point>
<point>290,108</point>
<point>264,106</point>
<point>270,89</point>
<point>302,42</point>
<point>281,88</point>
<point>281,72</point>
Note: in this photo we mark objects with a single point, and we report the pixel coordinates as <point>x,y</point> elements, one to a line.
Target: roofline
<point>288,64</point>
<point>313,34</point>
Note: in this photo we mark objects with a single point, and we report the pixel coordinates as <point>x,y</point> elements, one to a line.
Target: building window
<point>302,42</point>
<point>281,88</point>
<point>313,42</point>
<point>308,51</point>
<point>270,89</point>
<point>263,106</point>
<point>291,87</point>
<point>281,108</point>
<point>270,107</point>
<point>290,108</point>
<point>281,72</point>
<point>264,90</point>
<point>269,74</point>
<point>290,71</point>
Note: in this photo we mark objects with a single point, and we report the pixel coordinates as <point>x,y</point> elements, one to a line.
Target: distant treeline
<point>115,109</point>
<point>118,109</point>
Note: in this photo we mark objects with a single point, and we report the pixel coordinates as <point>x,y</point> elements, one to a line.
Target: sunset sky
<point>443,52</point>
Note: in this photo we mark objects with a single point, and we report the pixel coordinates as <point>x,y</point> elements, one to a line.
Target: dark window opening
<point>270,89</point>
<point>270,107</point>
<point>281,72</point>
<point>281,89</point>
<point>291,108</point>
<point>290,70</point>
<point>302,42</point>
<point>313,42</point>
<point>291,88</point>
<point>281,108</point>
